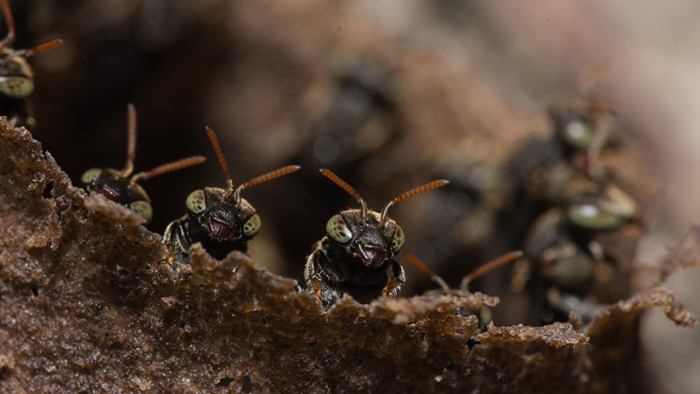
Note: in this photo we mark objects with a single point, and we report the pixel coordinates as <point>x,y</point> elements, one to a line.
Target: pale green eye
<point>90,175</point>
<point>399,239</point>
<point>578,134</point>
<point>17,87</point>
<point>196,202</point>
<point>590,217</point>
<point>143,208</point>
<point>252,226</point>
<point>338,230</point>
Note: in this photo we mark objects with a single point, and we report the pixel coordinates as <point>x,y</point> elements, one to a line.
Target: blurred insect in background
<point>565,264</point>
<point>356,254</point>
<point>218,218</point>
<point>16,76</point>
<point>350,115</point>
<point>121,186</point>
<point>457,224</point>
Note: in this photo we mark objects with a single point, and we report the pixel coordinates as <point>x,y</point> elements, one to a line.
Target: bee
<point>16,77</point>
<point>540,168</point>
<point>121,186</point>
<point>564,254</point>
<point>353,117</point>
<point>356,255</point>
<point>218,218</point>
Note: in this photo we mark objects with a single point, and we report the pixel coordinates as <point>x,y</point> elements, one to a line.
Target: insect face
<point>370,242</point>
<point>576,123</point>
<point>16,77</point>
<point>121,186</point>
<point>218,218</point>
<point>356,255</point>
<point>608,210</point>
<point>223,218</point>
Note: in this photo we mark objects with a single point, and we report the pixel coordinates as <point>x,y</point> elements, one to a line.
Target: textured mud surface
<point>87,305</point>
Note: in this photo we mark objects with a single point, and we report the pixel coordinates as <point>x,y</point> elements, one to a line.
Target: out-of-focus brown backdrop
<point>467,80</point>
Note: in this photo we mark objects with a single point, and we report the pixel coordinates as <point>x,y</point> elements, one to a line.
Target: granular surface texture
<point>89,304</point>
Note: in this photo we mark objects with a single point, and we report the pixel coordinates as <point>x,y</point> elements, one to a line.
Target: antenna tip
<point>324,170</point>
<point>443,182</point>
<point>130,106</point>
<point>199,159</point>
<point>60,41</point>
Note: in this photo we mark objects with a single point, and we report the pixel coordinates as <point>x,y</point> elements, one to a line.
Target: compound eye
<point>579,134</point>
<point>399,239</point>
<point>90,175</point>
<point>196,202</point>
<point>338,230</point>
<point>143,208</point>
<point>16,87</point>
<point>590,217</point>
<point>252,226</point>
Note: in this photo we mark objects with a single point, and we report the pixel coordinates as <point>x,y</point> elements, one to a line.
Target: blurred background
<point>389,94</point>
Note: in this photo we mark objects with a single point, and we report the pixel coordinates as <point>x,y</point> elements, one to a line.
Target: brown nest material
<point>88,305</point>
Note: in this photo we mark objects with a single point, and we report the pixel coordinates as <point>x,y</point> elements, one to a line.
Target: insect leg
<point>396,279</point>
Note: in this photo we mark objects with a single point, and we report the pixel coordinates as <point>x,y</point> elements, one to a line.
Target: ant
<point>356,255</point>
<point>122,187</point>
<point>16,77</point>
<point>218,218</point>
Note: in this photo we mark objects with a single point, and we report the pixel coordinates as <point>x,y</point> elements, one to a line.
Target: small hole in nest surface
<point>532,348</point>
<point>35,288</point>
<point>224,382</point>
<point>47,190</point>
<point>247,385</point>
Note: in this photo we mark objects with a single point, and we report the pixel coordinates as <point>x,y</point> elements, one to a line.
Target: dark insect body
<point>218,218</point>
<point>565,257</point>
<point>356,255</point>
<point>353,118</point>
<point>121,186</point>
<point>16,76</point>
<point>569,202</point>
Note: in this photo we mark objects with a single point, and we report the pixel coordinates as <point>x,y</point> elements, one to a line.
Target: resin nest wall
<point>88,304</point>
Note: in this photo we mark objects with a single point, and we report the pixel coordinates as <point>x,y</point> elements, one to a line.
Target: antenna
<point>168,167</point>
<point>56,42</point>
<point>491,265</point>
<point>222,162</point>
<point>9,22</point>
<point>418,190</point>
<point>131,141</point>
<point>344,185</point>
<point>426,270</point>
<point>264,178</point>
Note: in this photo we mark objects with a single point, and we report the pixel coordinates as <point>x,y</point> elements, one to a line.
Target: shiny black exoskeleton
<point>16,76</point>
<point>356,255</point>
<point>218,218</point>
<point>121,186</point>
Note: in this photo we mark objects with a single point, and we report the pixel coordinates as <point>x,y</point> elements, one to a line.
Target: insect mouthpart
<point>108,191</point>
<point>220,229</point>
<point>371,255</point>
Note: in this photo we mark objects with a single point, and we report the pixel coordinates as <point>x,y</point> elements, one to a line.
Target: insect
<point>458,224</point>
<point>356,255</point>
<point>218,218</point>
<point>352,119</point>
<point>121,186</point>
<point>566,259</point>
<point>16,77</point>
